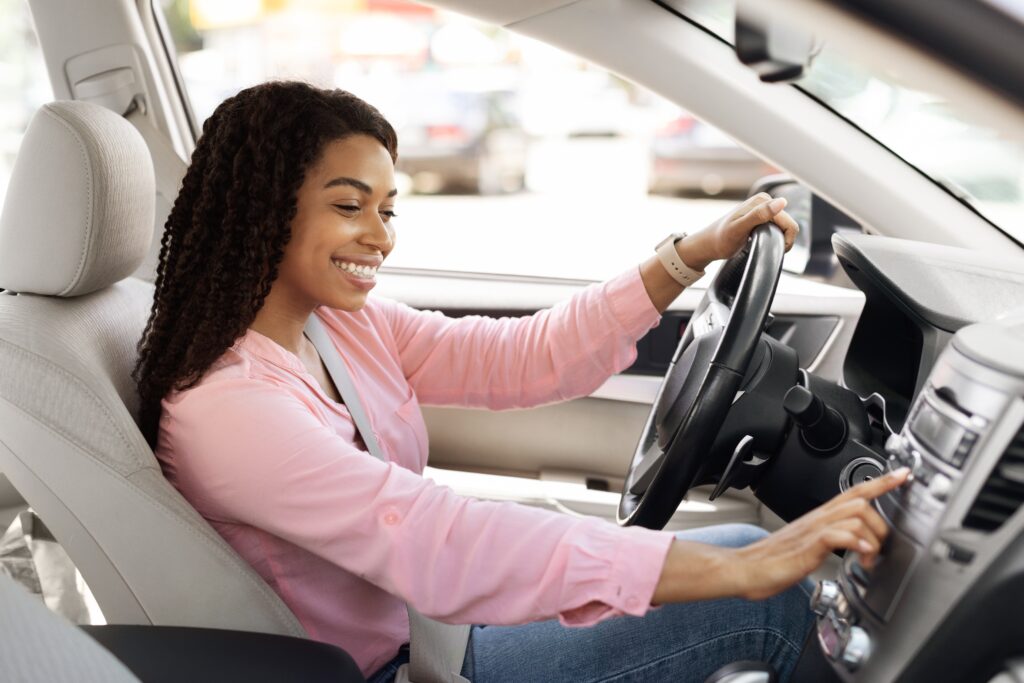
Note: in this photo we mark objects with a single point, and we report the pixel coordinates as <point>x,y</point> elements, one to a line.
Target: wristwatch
<point>669,257</point>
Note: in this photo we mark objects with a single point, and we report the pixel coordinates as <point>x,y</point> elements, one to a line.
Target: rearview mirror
<point>776,51</point>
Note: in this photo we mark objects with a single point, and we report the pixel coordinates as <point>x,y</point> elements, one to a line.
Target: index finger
<point>873,488</point>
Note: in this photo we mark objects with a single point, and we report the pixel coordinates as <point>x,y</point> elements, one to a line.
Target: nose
<point>379,234</point>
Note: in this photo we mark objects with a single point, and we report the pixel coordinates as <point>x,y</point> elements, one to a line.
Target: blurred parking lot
<point>550,165</point>
<point>575,170</point>
<point>590,220</point>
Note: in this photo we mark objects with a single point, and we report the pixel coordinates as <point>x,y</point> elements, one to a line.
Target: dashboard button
<point>857,649</point>
<point>824,597</point>
<point>858,573</point>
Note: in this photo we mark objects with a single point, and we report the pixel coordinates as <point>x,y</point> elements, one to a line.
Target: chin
<point>350,302</point>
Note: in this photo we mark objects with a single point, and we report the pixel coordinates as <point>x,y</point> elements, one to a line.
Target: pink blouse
<point>346,539</point>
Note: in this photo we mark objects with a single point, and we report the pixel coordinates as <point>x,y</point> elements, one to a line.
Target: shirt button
<point>391,518</point>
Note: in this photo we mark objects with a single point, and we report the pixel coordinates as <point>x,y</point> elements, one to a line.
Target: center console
<point>945,599</point>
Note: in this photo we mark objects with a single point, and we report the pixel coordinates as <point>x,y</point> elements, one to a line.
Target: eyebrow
<point>358,184</point>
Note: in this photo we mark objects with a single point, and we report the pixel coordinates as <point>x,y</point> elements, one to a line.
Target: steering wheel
<point>702,381</point>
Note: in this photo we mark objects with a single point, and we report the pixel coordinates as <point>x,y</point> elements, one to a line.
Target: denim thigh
<point>676,642</point>
<point>679,642</point>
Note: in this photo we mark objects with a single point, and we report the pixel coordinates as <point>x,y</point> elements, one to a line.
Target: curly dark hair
<point>226,233</point>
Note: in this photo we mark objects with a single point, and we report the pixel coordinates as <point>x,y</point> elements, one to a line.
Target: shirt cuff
<point>630,304</point>
<point>613,571</point>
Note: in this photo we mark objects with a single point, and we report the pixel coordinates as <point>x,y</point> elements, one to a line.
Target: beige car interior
<point>76,251</point>
<point>68,333</point>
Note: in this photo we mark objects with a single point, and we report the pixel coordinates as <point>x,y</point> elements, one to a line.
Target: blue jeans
<point>678,642</point>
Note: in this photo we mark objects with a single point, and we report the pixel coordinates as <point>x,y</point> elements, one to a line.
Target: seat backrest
<point>77,220</point>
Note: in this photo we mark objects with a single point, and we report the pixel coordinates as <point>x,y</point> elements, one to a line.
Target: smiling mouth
<point>356,270</point>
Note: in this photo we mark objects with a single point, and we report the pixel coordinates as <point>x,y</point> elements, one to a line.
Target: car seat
<point>37,645</point>
<point>78,219</point>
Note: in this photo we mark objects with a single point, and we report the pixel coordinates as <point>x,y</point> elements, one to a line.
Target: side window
<point>573,171</point>
<point>24,84</point>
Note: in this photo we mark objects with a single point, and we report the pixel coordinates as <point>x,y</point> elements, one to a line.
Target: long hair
<point>226,233</point>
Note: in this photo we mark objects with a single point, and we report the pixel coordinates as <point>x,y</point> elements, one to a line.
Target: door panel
<point>591,436</point>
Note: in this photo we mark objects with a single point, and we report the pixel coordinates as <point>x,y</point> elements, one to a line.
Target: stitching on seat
<point>87,168</point>
<point>230,560</point>
<point>89,394</point>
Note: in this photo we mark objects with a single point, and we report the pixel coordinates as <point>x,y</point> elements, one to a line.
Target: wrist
<point>694,251</point>
<point>698,571</point>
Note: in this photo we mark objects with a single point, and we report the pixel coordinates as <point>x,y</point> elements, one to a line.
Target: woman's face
<point>342,231</point>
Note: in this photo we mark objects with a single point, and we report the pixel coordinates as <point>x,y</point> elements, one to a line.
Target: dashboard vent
<point>1003,493</point>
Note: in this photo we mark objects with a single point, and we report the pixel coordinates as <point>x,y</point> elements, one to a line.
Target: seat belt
<point>436,650</point>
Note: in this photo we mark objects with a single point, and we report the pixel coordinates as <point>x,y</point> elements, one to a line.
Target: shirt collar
<point>265,348</point>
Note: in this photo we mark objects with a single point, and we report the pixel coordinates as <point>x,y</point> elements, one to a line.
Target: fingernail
<point>777,204</point>
<point>864,546</point>
<point>900,473</point>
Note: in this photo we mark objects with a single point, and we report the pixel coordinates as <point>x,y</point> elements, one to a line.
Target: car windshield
<point>971,160</point>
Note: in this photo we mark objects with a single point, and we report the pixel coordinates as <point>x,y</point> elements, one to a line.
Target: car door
<point>583,215</point>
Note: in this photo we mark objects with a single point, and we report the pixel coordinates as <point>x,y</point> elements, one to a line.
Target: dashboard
<point>917,295</point>
<point>941,338</point>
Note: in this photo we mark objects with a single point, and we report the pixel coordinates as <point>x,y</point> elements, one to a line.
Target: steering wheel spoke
<point>646,470</point>
<point>712,318</point>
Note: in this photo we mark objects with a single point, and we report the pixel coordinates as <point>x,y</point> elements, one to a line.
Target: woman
<point>285,212</point>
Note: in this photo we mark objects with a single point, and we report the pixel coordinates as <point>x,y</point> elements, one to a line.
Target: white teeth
<point>356,269</point>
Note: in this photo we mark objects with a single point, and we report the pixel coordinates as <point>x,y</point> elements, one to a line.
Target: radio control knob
<point>857,648</point>
<point>939,486</point>
<point>824,597</point>
<point>913,461</point>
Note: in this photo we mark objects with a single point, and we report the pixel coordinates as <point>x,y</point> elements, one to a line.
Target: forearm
<point>697,571</point>
<point>661,287</point>
<point>555,354</point>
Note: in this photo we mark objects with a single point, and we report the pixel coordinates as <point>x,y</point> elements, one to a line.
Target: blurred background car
<point>460,140</point>
<point>689,157</point>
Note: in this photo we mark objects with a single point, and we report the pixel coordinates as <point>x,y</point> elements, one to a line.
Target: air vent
<point>1003,493</point>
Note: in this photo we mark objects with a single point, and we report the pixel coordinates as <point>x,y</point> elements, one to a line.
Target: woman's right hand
<point>848,522</point>
<point>696,571</point>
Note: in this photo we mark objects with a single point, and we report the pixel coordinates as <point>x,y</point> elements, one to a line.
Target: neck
<point>283,321</point>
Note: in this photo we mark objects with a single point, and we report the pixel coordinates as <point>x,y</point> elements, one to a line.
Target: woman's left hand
<point>726,236</point>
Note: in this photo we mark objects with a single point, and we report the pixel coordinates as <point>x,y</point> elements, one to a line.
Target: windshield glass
<point>971,160</point>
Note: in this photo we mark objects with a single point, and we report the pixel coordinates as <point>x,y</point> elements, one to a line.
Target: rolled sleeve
<point>630,304</point>
<point>613,572</point>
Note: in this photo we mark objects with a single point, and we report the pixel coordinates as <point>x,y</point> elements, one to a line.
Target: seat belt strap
<point>436,650</point>
<point>343,381</point>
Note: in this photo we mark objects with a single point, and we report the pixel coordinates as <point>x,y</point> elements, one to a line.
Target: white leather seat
<point>37,645</point>
<point>77,221</point>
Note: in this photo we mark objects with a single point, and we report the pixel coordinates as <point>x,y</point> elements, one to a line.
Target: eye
<point>347,209</point>
<point>388,214</point>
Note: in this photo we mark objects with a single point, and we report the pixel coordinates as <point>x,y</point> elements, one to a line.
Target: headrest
<point>79,209</point>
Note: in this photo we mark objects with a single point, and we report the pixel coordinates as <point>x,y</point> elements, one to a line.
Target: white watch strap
<point>669,257</point>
